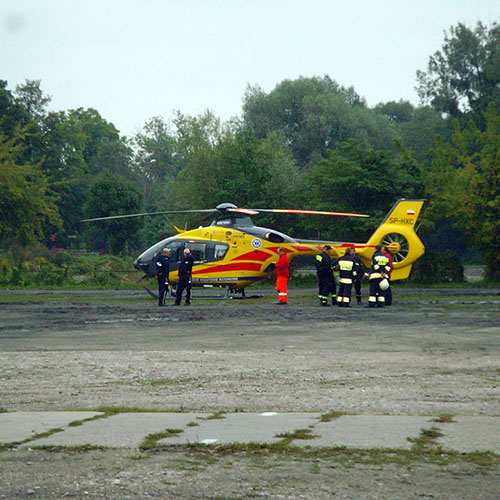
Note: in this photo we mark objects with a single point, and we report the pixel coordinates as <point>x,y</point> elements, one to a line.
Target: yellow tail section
<point>397,232</point>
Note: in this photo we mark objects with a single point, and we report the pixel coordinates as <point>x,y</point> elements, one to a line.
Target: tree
<point>13,116</point>
<point>155,161</point>
<point>110,195</point>
<point>464,185</point>
<point>313,115</point>
<point>417,127</point>
<point>26,201</point>
<point>464,77</point>
<point>357,178</point>
<point>30,96</point>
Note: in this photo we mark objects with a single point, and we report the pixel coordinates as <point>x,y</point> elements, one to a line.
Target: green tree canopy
<point>357,178</point>
<point>26,201</point>
<point>313,115</point>
<point>464,77</point>
<point>109,195</point>
<point>464,185</point>
<point>417,127</point>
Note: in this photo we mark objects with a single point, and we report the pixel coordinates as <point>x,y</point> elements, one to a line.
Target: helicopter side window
<point>175,247</point>
<point>220,251</point>
<point>198,251</point>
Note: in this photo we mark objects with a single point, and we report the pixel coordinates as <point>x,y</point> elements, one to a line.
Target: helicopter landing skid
<point>227,295</point>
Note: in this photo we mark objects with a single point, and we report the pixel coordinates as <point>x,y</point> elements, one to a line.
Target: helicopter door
<point>198,251</point>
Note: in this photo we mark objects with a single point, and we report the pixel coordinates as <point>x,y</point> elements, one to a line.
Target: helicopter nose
<point>146,266</point>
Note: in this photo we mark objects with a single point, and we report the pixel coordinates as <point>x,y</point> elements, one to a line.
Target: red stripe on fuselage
<point>248,266</point>
<point>256,255</point>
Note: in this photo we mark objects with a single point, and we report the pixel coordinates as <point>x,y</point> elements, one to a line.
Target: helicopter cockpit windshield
<point>241,221</point>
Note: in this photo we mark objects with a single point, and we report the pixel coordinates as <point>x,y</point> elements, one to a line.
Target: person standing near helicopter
<point>378,272</point>
<point>326,280</point>
<point>162,272</point>
<point>282,275</point>
<point>360,272</point>
<point>184,283</point>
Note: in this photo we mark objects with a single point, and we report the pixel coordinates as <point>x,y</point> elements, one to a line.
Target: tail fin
<point>397,232</point>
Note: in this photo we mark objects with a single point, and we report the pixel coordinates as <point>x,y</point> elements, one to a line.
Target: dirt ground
<point>434,352</point>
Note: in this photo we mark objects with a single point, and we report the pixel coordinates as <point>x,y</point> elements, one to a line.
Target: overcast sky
<point>135,59</point>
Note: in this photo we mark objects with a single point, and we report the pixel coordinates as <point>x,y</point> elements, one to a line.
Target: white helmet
<point>384,284</point>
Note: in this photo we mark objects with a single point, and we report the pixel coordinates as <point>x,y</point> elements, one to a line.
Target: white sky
<point>135,59</point>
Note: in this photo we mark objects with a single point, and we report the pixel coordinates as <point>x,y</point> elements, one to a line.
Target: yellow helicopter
<point>234,253</point>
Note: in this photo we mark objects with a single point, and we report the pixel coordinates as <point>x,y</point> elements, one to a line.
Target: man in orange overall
<point>282,274</point>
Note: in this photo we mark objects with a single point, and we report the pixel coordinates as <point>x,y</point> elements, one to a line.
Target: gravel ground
<point>433,352</point>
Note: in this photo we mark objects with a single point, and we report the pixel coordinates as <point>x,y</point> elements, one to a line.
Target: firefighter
<point>348,268</point>
<point>358,277</point>
<point>326,280</point>
<point>162,272</point>
<point>378,272</point>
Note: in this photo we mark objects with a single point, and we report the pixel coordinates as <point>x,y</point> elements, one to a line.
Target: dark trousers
<point>162,291</point>
<point>357,288</point>
<point>184,284</point>
<point>388,296</point>
<point>344,297</point>
<point>326,287</point>
<point>377,296</point>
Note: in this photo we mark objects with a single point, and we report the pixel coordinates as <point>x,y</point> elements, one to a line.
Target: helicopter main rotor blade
<point>308,212</point>
<point>149,213</point>
<point>247,211</point>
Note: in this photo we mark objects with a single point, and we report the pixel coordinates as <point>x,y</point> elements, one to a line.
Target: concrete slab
<point>368,431</point>
<point>468,434</point>
<point>128,430</point>
<point>124,430</point>
<point>244,428</point>
<point>22,425</point>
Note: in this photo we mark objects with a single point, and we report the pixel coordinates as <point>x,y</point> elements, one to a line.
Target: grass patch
<point>328,417</point>
<point>350,456</point>
<point>444,419</point>
<point>426,440</point>
<point>151,440</point>
<point>288,437</point>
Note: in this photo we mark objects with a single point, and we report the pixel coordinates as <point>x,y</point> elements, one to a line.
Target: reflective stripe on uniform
<point>345,281</point>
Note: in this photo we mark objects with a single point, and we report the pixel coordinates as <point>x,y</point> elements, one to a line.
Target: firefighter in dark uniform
<point>358,277</point>
<point>326,280</point>
<point>347,268</point>
<point>185,269</point>
<point>380,270</point>
<point>162,271</point>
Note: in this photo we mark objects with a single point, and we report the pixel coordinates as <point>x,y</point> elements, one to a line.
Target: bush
<point>438,267</point>
<point>41,268</point>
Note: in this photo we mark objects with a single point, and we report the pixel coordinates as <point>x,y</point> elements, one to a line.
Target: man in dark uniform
<point>162,271</point>
<point>347,267</point>
<point>358,277</point>
<point>185,268</point>
<point>379,271</point>
<point>326,280</point>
